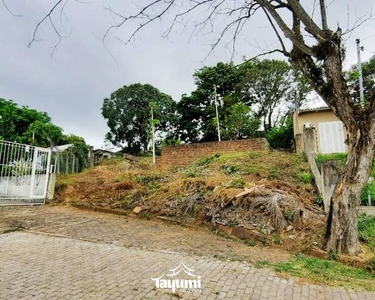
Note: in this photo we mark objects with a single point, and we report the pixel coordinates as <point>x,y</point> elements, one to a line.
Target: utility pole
<point>217,114</point>
<point>361,93</point>
<point>153,136</point>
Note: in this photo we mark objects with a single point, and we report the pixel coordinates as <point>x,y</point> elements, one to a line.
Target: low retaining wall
<point>183,155</point>
<point>327,176</point>
<point>368,210</point>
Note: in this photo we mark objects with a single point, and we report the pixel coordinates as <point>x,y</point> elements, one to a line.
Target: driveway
<point>64,253</point>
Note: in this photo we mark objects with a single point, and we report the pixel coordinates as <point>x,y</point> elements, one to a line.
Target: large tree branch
<point>284,27</point>
<point>285,52</point>
<point>311,26</point>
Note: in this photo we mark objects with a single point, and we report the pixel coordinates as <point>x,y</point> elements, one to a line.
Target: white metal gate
<point>24,172</point>
<point>331,137</point>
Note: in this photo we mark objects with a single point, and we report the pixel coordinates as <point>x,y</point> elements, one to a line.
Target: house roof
<point>102,150</point>
<point>108,151</point>
<point>315,109</point>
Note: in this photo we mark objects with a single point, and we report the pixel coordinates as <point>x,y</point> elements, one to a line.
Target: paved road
<point>134,233</point>
<point>40,265</point>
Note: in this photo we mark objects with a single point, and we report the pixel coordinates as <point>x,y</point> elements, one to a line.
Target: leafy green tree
<point>127,112</point>
<point>191,118</point>
<point>299,90</point>
<point>239,123</point>
<point>15,120</point>
<point>43,134</point>
<point>29,126</point>
<point>267,84</point>
<point>197,110</point>
<point>80,149</point>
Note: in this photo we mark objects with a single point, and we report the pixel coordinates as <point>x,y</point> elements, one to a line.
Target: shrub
<point>170,141</point>
<point>368,190</point>
<point>306,177</point>
<point>281,137</point>
<point>230,169</point>
<point>366,230</point>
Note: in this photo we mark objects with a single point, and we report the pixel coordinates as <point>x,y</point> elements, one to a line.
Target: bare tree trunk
<point>341,232</point>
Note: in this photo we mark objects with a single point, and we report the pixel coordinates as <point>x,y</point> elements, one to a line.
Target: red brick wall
<point>182,155</point>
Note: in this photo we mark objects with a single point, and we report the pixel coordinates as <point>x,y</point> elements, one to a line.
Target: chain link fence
<point>66,163</point>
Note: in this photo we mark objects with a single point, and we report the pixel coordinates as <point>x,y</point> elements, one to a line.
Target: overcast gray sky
<point>71,85</point>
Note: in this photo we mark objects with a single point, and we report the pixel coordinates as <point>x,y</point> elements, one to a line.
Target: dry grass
<point>205,190</point>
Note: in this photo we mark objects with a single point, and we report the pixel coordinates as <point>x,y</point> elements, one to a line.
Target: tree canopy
<point>239,123</point>
<point>267,87</point>
<point>21,124</point>
<point>24,125</point>
<point>127,112</point>
<point>368,74</point>
<point>268,84</point>
<point>197,110</point>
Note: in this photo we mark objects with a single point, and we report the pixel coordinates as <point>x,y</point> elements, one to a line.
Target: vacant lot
<point>282,208</point>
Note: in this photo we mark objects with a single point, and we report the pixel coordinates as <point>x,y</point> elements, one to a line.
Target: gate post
<point>33,171</point>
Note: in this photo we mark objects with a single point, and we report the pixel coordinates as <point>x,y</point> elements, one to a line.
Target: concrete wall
<point>51,186</point>
<point>182,155</point>
<point>330,171</point>
<point>326,177</point>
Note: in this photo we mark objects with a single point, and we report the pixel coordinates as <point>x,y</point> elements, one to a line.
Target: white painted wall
<point>331,137</point>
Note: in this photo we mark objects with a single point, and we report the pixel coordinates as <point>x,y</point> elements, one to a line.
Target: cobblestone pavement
<point>42,265</point>
<point>134,233</point>
<point>37,266</point>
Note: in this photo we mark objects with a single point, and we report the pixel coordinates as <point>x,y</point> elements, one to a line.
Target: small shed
<point>100,154</point>
<point>329,131</point>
